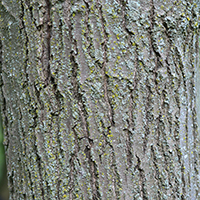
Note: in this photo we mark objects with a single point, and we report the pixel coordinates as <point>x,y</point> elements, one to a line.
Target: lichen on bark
<point>99,98</point>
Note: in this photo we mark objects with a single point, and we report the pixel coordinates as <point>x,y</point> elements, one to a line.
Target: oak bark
<point>99,98</point>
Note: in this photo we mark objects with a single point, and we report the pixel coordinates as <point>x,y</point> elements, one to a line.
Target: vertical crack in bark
<point>148,118</point>
<point>71,177</point>
<point>183,181</point>
<point>75,90</point>
<point>151,31</point>
<point>89,30</point>
<point>143,192</point>
<point>32,110</point>
<point>23,27</point>
<point>80,101</point>
<point>180,70</point>
<point>25,85</point>
<point>105,78</point>
<point>11,186</point>
<point>3,101</point>
<point>131,127</point>
<point>26,81</point>
<point>177,137</point>
<point>79,97</point>
<point>84,115</point>
<point>181,67</point>
<point>124,17</point>
<point>130,121</point>
<point>47,44</point>
<point>49,79</point>
<point>31,10</point>
<point>123,7</point>
<point>94,174</point>
<point>147,107</point>
<point>116,180</point>
<point>128,149</point>
<point>167,154</point>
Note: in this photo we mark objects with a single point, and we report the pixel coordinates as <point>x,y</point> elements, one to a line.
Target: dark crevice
<point>3,101</point>
<point>108,101</point>
<point>24,196</point>
<point>37,93</point>
<point>152,38</point>
<point>94,174</point>
<point>180,71</point>
<point>105,60</point>
<point>180,68</point>
<point>183,180</point>
<point>84,116</point>
<point>148,117</point>
<point>46,54</point>
<point>32,111</point>
<point>33,19</point>
<point>77,146</point>
<point>48,189</point>
<point>128,149</point>
<point>89,31</point>
<point>11,183</point>
<point>117,181</point>
<point>143,191</point>
<point>78,96</point>
<point>124,17</point>
<point>167,153</point>
<point>153,45</point>
<point>23,28</point>
<point>59,97</point>
<point>130,121</point>
<point>6,140</point>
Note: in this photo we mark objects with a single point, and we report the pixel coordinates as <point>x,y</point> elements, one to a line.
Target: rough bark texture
<point>99,99</point>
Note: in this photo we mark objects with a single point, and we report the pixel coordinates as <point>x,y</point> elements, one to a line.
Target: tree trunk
<point>99,99</point>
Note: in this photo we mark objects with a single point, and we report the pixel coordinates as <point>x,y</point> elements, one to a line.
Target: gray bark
<point>99,99</point>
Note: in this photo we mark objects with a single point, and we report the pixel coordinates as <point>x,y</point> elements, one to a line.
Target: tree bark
<point>99,99</point>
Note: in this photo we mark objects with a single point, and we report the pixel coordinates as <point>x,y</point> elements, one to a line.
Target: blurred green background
<point>3,177</point>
